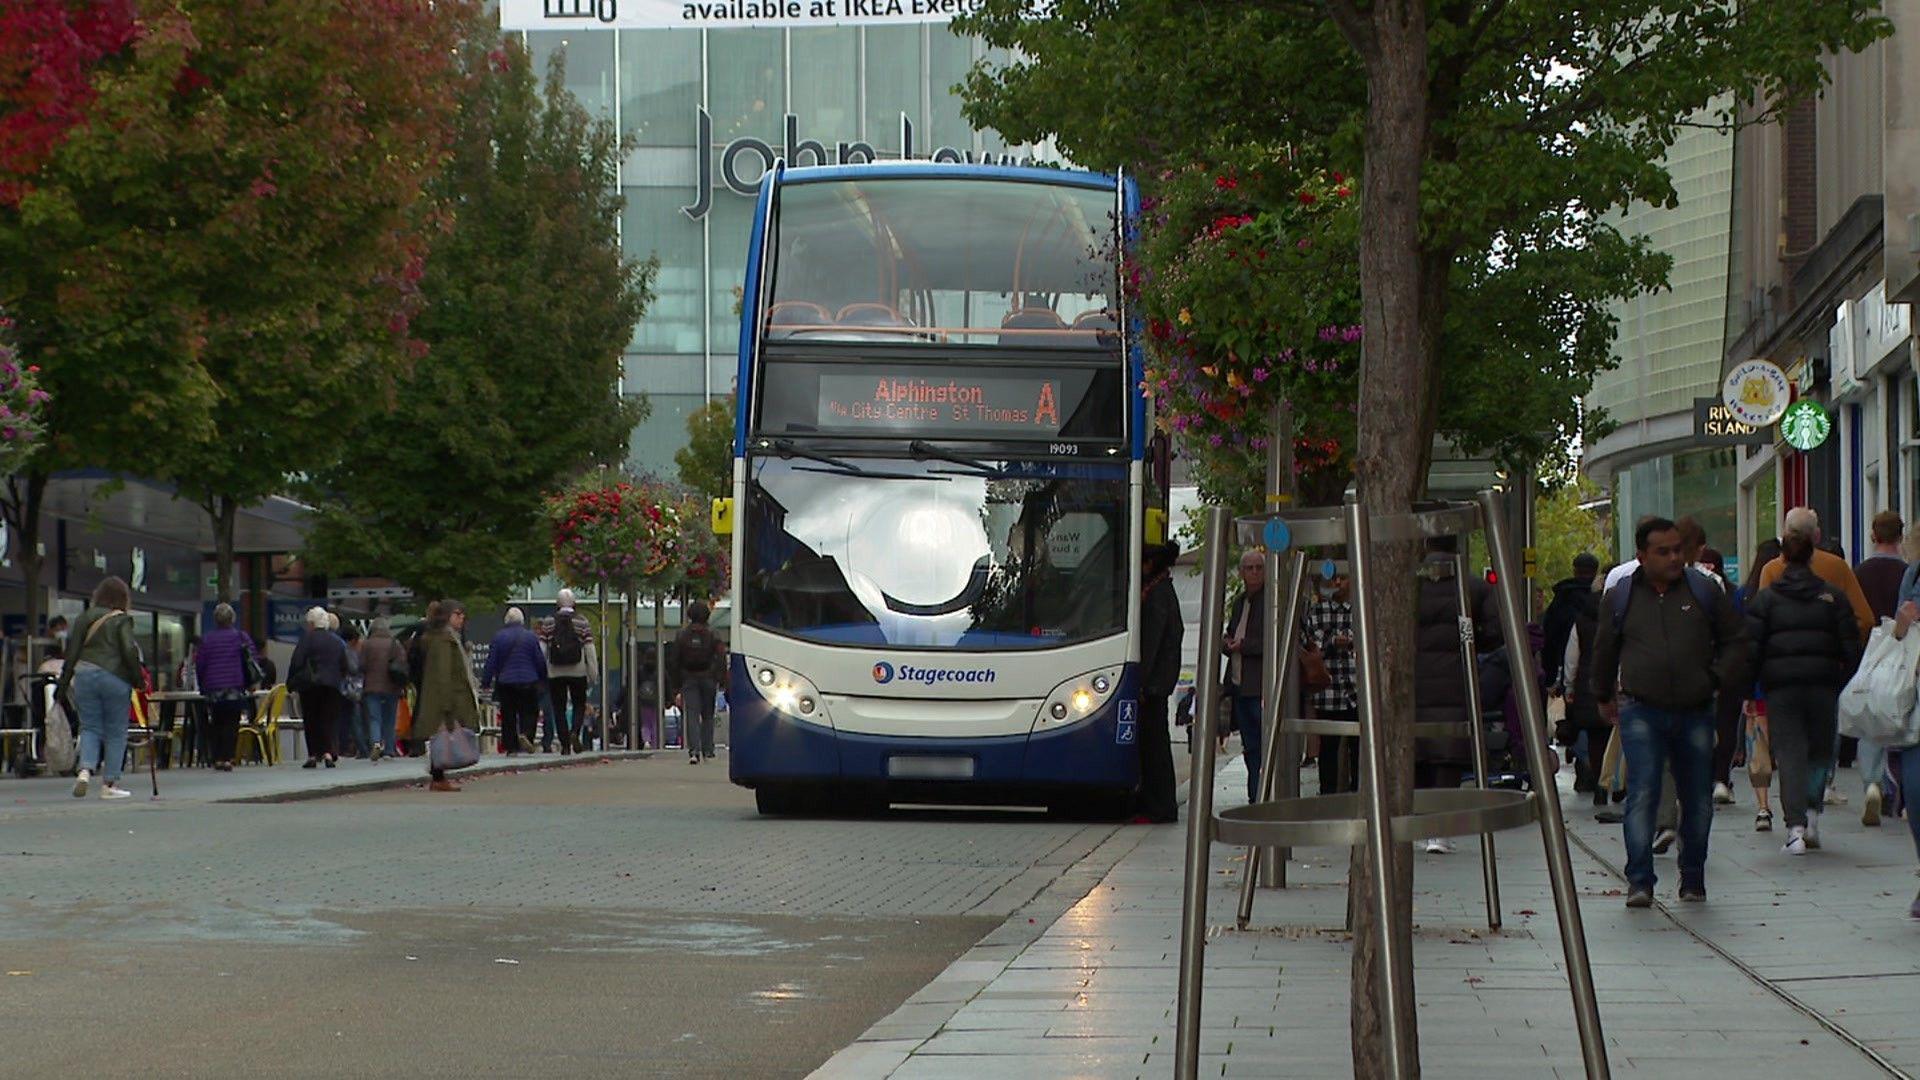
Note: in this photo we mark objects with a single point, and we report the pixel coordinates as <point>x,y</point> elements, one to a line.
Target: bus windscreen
<point>941,401</point>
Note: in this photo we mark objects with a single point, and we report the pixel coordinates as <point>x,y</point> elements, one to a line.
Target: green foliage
<point>1545,117</point>
<point>1561,530</point>
<point>706,462</point>
<point>529,305</point>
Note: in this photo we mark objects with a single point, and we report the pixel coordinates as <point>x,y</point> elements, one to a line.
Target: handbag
<point>256,673</point>
<point>1314,676</point>
<point>453,748</point>
<point>1878,701</point>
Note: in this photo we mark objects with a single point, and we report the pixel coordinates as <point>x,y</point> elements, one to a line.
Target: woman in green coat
<point>448,697</point>
<point>103,667</point>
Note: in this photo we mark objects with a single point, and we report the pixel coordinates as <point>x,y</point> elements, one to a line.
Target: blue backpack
<point>1704,590</point>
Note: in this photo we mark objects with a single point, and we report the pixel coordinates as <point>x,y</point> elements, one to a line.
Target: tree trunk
<point>23,510</point>
<point>1394,446</point>
<point>224,512</point>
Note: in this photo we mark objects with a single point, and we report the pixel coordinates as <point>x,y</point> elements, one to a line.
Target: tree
<point>92,272</point>
<point>300,137</point>
<point>1563,528</point>
<point>706,462</point>
<point>1493,137</point>
<point>529,306</point>
<point>48,49</point>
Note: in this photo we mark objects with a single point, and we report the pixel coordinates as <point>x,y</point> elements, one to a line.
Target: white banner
<point>720,14</point>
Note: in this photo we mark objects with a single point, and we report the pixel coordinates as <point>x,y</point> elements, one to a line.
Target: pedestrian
<point>1667,639</point>
<point>1909,756</point>
<point>1755,742</point>
<point>267,665</point>
<point>221,666</point>
<point>1439,671</point>
<point>1880,575</point>
<point>1572,596</point>
<point>1826,565</point>
<point>353,694</point>
<point>383,664</point>
<point>572,665</point>
<point>698,654</point>
<point>98,680</point>
<point>1806,647</point>
<point>448,697</point>
<point>516,662</point>
<point>1586,730</point>
<point>1245,650</point>
<point>318,667</point>
<point>1328,626</point>
<point>1161,631</point>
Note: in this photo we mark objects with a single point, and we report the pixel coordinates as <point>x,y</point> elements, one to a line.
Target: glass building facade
<point>694,103</point>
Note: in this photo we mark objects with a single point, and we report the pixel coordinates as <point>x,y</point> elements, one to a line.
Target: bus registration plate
<point>930,767</point>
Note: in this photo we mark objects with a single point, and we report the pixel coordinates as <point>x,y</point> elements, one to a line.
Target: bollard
<point>1193,904</point>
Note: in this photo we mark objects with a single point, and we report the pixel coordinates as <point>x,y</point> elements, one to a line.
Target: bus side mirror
<point>723,517</point>
<point>1156,525</point>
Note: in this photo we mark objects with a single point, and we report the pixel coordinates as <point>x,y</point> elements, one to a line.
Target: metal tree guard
<point>1364,819</point>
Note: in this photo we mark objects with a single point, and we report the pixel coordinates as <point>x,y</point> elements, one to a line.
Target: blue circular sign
<point>1277,536</point>
<point>1328,570</point>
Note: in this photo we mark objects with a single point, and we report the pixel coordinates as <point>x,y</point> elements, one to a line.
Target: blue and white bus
<point>938,492</point>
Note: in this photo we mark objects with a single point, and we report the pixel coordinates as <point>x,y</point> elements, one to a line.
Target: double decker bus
<point>938,482</point>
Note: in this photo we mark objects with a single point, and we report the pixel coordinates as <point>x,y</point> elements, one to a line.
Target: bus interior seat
<point>1031,318</point>
<point>867,313</point>
<point>1102,323</point>
<point>789,317</point>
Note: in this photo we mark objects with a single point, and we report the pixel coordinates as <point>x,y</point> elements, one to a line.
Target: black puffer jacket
<point>1439,679</point>
<point>1803,632</point>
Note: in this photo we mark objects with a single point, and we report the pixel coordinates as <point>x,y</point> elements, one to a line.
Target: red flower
<point>1338,178</point>
<point>1343,191</point>
<point>1225,183</point>
<point>1307,198</point>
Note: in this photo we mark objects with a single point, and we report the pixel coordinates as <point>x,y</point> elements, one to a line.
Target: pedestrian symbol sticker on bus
<point>1129,723</point>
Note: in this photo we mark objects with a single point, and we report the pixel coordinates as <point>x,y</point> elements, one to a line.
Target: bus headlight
<point>1079,697</point>
<point>785,690</point>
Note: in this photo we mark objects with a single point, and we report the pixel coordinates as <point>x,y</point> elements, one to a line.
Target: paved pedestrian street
<point>1795,968</point>
<point>636,918</point>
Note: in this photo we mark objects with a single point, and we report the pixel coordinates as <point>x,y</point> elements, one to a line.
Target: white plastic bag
<point>1878,702</point>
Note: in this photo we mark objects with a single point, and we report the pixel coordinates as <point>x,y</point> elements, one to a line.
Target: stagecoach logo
<point>745,160</point>
<point>884,673</point>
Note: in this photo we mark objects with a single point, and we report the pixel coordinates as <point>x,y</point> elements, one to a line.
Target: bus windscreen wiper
<point>787,448</point>
<point>922,450</point>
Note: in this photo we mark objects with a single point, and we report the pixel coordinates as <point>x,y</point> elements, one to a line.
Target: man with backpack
<point>697,654</point>
<point>571,665</point>
<point>1669,639</point>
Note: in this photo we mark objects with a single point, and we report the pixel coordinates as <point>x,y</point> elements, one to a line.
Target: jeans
<point>103,700</point>
<point>359,723</point>
<point>1339,757</point>
<point>1801,721</point>
<point>383,712</point>
<point>1873,765</point>
<point>1246,718</point>
<point>1652,739</point>
<point>1910,790</point>
<point>696,719</point>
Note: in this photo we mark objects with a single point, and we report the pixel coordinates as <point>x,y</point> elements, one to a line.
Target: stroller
<point>1500,716</point>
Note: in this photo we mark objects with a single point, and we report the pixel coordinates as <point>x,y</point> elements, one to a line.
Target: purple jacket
<point>221,660</point>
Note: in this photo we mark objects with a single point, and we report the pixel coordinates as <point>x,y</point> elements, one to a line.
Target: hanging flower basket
<point>626,536</point>
<point>22,406</point>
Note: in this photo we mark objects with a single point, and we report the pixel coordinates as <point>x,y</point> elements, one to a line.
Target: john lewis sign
<point>744,161</point>
<point>721,14</point>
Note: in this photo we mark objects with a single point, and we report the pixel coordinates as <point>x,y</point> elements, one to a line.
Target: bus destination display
<point>883,404</point>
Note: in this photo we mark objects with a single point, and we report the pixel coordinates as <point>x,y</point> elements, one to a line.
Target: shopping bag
<point>1613,764</point>
<point>403,723</point>
<point>453,748</point>
<point>1878,702</point>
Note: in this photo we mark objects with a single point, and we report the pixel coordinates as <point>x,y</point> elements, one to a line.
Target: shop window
<point>652,225</point>
<point>746,84</point>
<point>659,86</point>
<point>894,86</point>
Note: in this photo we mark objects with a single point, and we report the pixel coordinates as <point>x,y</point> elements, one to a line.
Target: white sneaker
<point>1722,794</point>
<point>1813,829</point>
<point>1439,845</point>
<point>1870,806</point>
<point>115,791</point>
<point>80,784</point>
<point>1835,797</point>
<point>1796,841</point>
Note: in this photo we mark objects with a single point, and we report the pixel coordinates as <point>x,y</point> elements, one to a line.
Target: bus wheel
<point>775,800</point>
